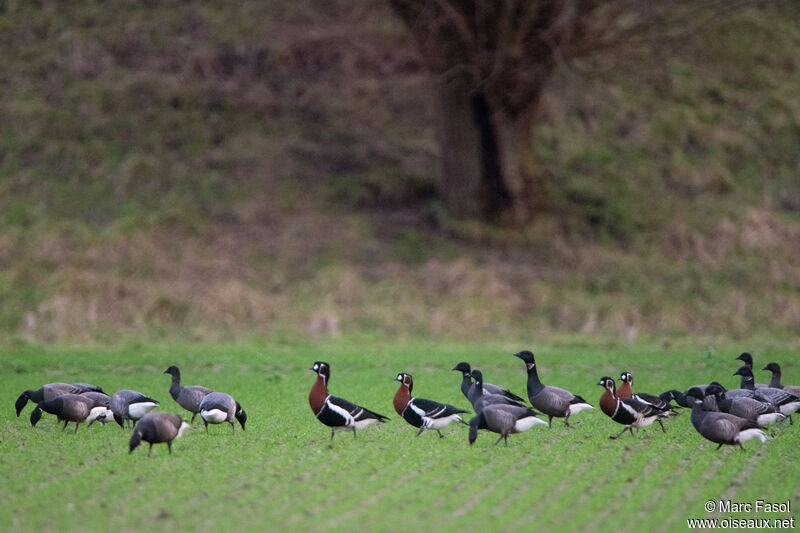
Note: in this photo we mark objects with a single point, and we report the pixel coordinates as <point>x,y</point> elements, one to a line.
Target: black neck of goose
<point>775,382</point>
<point>697,411</point>
<point>466,384</point>
<point>534,385</point>
<point>175,389</point>
<point>748,383</point>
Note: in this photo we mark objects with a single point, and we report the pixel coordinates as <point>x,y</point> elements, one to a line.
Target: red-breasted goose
<point>218,407</point>
<point>625,390</point>
<point>468,387</point>
<point>775,382</point>
<point>337,413</point>
<point>50,391</point>
<point>421,413</point>
<point>629,412</point>
<point>187,397</point>
<point>157,427</point>
<point>552,401</point>
<point>760,412</point>
<point>723,428</point>
<point>503,419</point>
<point>67,407</point>
<point>129,404</point>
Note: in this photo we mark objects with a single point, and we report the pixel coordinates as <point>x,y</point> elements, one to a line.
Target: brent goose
<point>67,407</point>
<point>218,407</point>
<point>128,404</point>
<point>481,398</point>
<point>468,387</point>
<point>723,428</point>
<point>503,419</point>
<point>760,412</point>
<point>552,401</point>
<point>421,413</point>
<point>187,397</point>
<point>157,427</point>
<point>334,412</point>
<point>50,391</point>
<point>775,382</point>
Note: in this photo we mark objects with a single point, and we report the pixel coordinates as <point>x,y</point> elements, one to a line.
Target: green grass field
<point>283,473</point>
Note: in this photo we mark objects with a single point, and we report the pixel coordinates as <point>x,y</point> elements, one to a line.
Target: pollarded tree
<point>491,60</point>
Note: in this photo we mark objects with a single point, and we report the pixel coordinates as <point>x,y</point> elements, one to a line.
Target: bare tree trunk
<point>488,165</point>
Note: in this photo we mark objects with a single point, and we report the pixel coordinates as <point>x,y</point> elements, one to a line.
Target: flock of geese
<point>83,402</point>
<point>719,415</point>
<point>722,416</point>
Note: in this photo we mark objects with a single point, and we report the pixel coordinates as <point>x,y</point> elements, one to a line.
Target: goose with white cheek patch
<point>50,391</point>
<point>421,413</point>
<point>67,407</point>
<point>481,398</point>
<point>629,412</point>
<point>129,404</point>
<point>785,402</point>
<point>188,397</point>
<point>759,412</point>
<point>625,390</point>
<point>155,428</point>
<point>218,407</point>
<point>552,401</point>
<point>723,428</point>
<point>336,413</point>
<point>503,419</point>
<point>468,387</point>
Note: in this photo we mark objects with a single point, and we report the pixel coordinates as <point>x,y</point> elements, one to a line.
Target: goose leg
<point>440,434</point>
<point>498,441</point>
<point>740,446</point>
<point>233,429</point>
<point>662,425</point>
<point>550,421</point>
<point>206,423</point>
<point>354,432</point>
<point>620,433</point>
<point>332,432</point>
<point>65,425</point>
<point>193,415</point>
<point>150,449</point>
<point>420,431</point>
<point>566,420</point>
<point>169,446</point>
<point>76,427</point>
<point>720,446</point>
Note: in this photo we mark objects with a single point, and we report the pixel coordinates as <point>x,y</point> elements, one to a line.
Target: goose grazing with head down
<point>723,428</point>
<point>157,427</point>
<point>775,382</point>
<point>552,401</point>
<point>625,390</point>
<point>334,412</point>
<point>468,387</point>
<point>421,413</point>
<point>50,391</point>
<point>503,419</point>
<point>128,404</point>
<point>218,407</point>
<point>760,412</point>
<point>187,397</point>
<point>67,407</point>
<point>627,411</point>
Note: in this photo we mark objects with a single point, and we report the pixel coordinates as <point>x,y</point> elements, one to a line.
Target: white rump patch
<point>138,410</point>
<point>214,416</point>
<point>789,408</point>
<point>769,418</point>
<point>99,412</point>
<point>748,434</point>
<point>439,423</point>
<point>577,407</point>
<point>526,423</point>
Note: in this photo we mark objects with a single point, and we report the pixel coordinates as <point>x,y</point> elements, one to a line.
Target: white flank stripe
<point>138,410</point>
<point>577,407</point>
<point>214,416</point>
<point>416,409</point>
<point>769,418</point>
<point>439,423</point>
<point>748,434</point>
<point>526,423</point>
<point>348,418</point>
